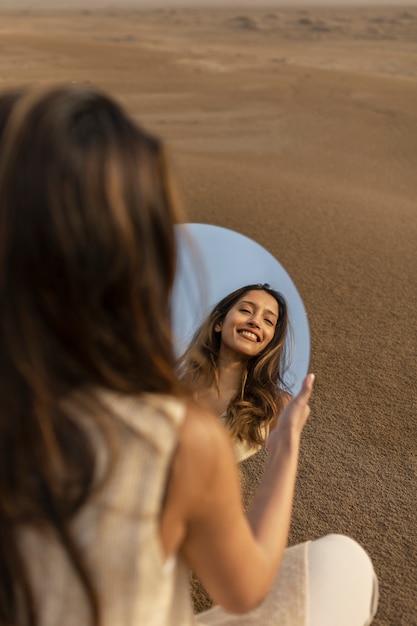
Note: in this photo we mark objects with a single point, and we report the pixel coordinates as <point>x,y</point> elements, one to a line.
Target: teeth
<point>249,335</point>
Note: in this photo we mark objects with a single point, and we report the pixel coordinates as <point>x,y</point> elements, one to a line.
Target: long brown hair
<point>260,397</point>
<point>87,261</point>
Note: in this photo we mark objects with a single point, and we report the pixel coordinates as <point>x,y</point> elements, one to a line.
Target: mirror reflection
<point>241,330</point>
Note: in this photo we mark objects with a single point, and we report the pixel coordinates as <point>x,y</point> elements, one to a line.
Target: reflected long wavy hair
<point>260,398</point>
<point>87,262</point>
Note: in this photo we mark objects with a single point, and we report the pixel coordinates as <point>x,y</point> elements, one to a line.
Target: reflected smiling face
<point>249,325</point>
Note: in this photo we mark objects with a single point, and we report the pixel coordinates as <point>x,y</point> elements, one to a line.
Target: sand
<point>297,128</point>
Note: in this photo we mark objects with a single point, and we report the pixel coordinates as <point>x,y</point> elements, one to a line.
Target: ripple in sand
<point>243,22</point>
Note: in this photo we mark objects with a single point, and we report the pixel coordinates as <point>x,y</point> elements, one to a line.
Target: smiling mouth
<point>249,335</point>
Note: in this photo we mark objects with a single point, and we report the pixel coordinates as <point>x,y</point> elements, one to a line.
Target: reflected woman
<point>237,360</point>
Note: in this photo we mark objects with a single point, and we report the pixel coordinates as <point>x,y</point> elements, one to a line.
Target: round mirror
<point>214,261</point>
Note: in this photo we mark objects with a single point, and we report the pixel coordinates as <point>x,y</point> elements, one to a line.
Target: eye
<point>269,322</point>
<point>243,310</point>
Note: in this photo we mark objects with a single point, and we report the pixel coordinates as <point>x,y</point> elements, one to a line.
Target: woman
<point>237,361</point>
<point>112,482</point>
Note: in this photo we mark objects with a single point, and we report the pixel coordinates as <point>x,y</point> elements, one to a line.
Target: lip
<point>251,331</point>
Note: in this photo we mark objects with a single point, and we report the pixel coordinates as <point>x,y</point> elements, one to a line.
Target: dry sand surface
<point>297,128</point>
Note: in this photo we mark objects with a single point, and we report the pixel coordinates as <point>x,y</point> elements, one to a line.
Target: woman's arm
<point>236,557</point>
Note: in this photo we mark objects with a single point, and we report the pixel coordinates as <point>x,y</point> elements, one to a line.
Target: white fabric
<point>285,604</point>
<point>343,588</point>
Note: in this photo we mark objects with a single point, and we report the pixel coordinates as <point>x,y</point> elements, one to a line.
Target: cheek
<point>230,321</point>
<point>271,335</point>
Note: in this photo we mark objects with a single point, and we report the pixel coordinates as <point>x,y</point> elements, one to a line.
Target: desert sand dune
<point>298,128</point>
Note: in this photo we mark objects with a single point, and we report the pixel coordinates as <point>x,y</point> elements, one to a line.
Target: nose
<point>254,322</point>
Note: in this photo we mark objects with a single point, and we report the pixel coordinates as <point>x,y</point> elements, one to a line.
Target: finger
<point>306,389</point>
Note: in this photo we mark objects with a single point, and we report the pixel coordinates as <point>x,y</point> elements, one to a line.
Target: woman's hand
<point>294,416</point>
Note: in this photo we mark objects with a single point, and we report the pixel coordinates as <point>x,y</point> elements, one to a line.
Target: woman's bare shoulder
<point>203,438</point>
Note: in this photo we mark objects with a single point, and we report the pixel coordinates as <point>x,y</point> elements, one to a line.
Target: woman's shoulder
<point>197,428</point>
<point>203,438</point>
<point>202,423</point>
